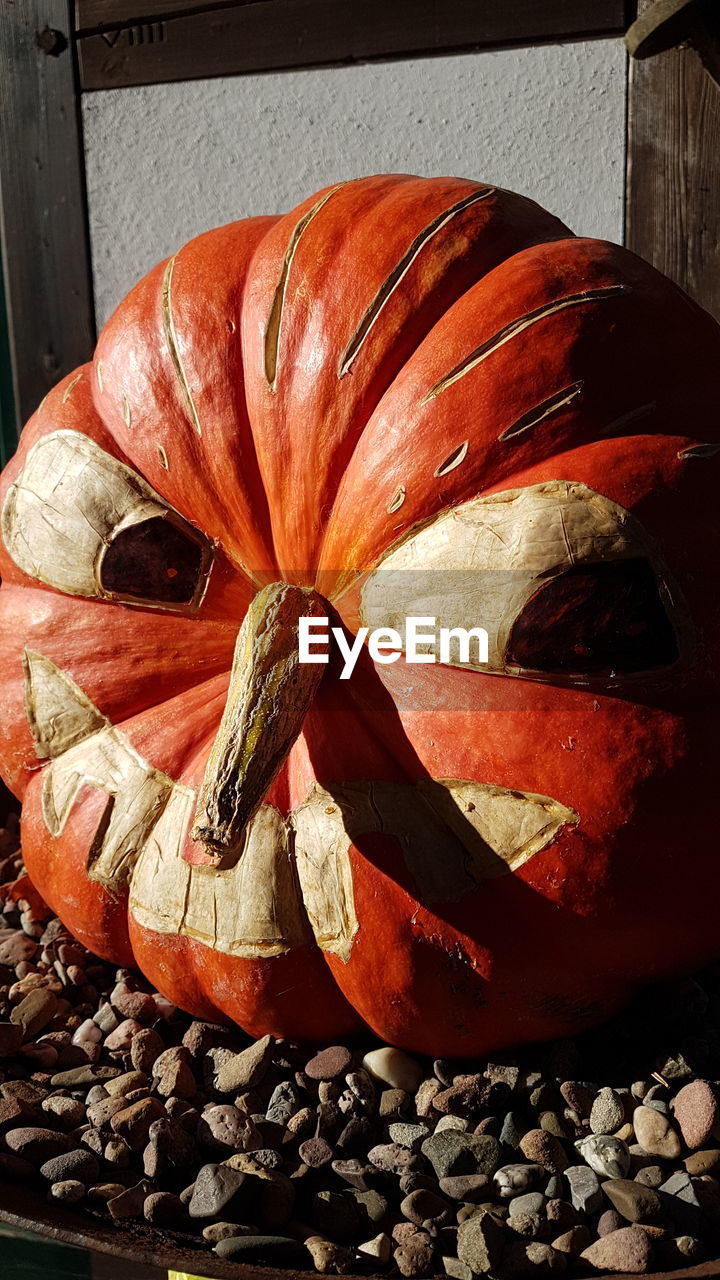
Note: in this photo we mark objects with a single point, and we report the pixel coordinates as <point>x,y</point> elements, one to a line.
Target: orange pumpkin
<point>406,397</point>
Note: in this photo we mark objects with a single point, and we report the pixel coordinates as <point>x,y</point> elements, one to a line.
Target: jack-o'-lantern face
<point>408,398</point>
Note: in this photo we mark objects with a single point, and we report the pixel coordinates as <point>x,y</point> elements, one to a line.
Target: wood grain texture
<point>141,43</point>
<point>673,188</point>
<point>42,203</point>
<point>95,15</point>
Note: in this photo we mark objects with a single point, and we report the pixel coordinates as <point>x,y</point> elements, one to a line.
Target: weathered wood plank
<point>673,187</point>
<point>94,15</point>
<point>42,201</point>
<point>141,44</point>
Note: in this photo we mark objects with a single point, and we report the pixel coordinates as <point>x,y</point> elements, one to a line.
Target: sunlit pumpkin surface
<point>406,397</point>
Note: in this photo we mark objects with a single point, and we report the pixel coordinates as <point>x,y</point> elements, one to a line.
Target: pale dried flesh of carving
<point>453,834</point>
<point>480,562</point>
<point>290,878</point>
<point>69,503</point>
<point>250,909</point>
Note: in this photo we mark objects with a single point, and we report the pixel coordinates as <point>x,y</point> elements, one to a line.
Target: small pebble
<point>269,1249</point>
<point>628,1250</point>
<point>395,1068</point>
<point>120,1040</point>
<point>608,1112</point>
<point>244,1070</point>
<point>633,1201</point>
<point>163,1209</point>
<point>378,1250</point>
<point>68,1192</point>
<point>480,1243</point>
<point>696,1112</point>
<point>37,1145</point>
<point>329,1063</point>
<point>315,1152</point>
<point>34,1012</point>
<point>542,1148</point>
<point>655,1133</point>
<point>608,1156</point>
<point>585,1193</point>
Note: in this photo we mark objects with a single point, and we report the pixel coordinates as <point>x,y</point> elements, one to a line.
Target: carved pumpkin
<point>407,397</point>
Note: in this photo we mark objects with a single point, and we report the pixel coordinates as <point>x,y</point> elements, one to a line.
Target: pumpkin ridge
<point>399,271</point>
<point>172,342</point>
<point>439,248</point>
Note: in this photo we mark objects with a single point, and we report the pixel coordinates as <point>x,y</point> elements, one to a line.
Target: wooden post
<point>46,261</point>
<point>673,171</point>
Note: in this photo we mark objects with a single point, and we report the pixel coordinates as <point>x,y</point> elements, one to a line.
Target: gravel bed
<point>579,1156</point>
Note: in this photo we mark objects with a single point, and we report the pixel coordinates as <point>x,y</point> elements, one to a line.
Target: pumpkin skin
<point>313,394</point>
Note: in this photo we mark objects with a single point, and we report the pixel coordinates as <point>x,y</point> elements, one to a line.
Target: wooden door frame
<point>53,50</point>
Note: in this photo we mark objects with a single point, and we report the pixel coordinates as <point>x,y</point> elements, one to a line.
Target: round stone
<point>635,1202</point>
<point>421,1206</point>
<point>451,1153</point>
<point>701,1162</point>
<point>627,1250</point>
<point>607,1112</point>
<point>76,1166</point>
<point>395,1068</point>
<point>608,1156</point>
<point>544,1148</point>
<point>696,1112</point>
<point>315,1152</point>
<point>68,1192</point>
<point>329,1063</point>
<point>655,1133</point>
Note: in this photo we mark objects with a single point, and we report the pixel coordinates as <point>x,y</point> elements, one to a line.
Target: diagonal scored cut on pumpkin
<point>290,878</point>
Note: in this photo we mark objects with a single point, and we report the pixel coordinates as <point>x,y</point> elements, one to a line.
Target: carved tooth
<point>85,750</point>
<point>58,712</point>
<point>453,833</point>
<point>251,908</point>
<point>322,853</point>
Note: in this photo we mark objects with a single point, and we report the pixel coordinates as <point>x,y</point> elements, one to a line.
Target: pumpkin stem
<point>270,692</point>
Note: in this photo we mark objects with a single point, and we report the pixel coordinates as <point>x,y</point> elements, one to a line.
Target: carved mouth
<point>289,879</point>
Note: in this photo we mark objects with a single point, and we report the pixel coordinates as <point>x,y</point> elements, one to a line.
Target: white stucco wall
<point>168,161</point>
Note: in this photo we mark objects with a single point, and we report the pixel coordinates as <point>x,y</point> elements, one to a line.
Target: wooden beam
<point>131,42</point>
<point>673,174</point>
<point>44,237</point>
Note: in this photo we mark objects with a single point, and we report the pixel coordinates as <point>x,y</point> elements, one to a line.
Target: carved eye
<point>81,521</point>
<point>153,560</point>
<point>564,581</point>
<point>599,619</point>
